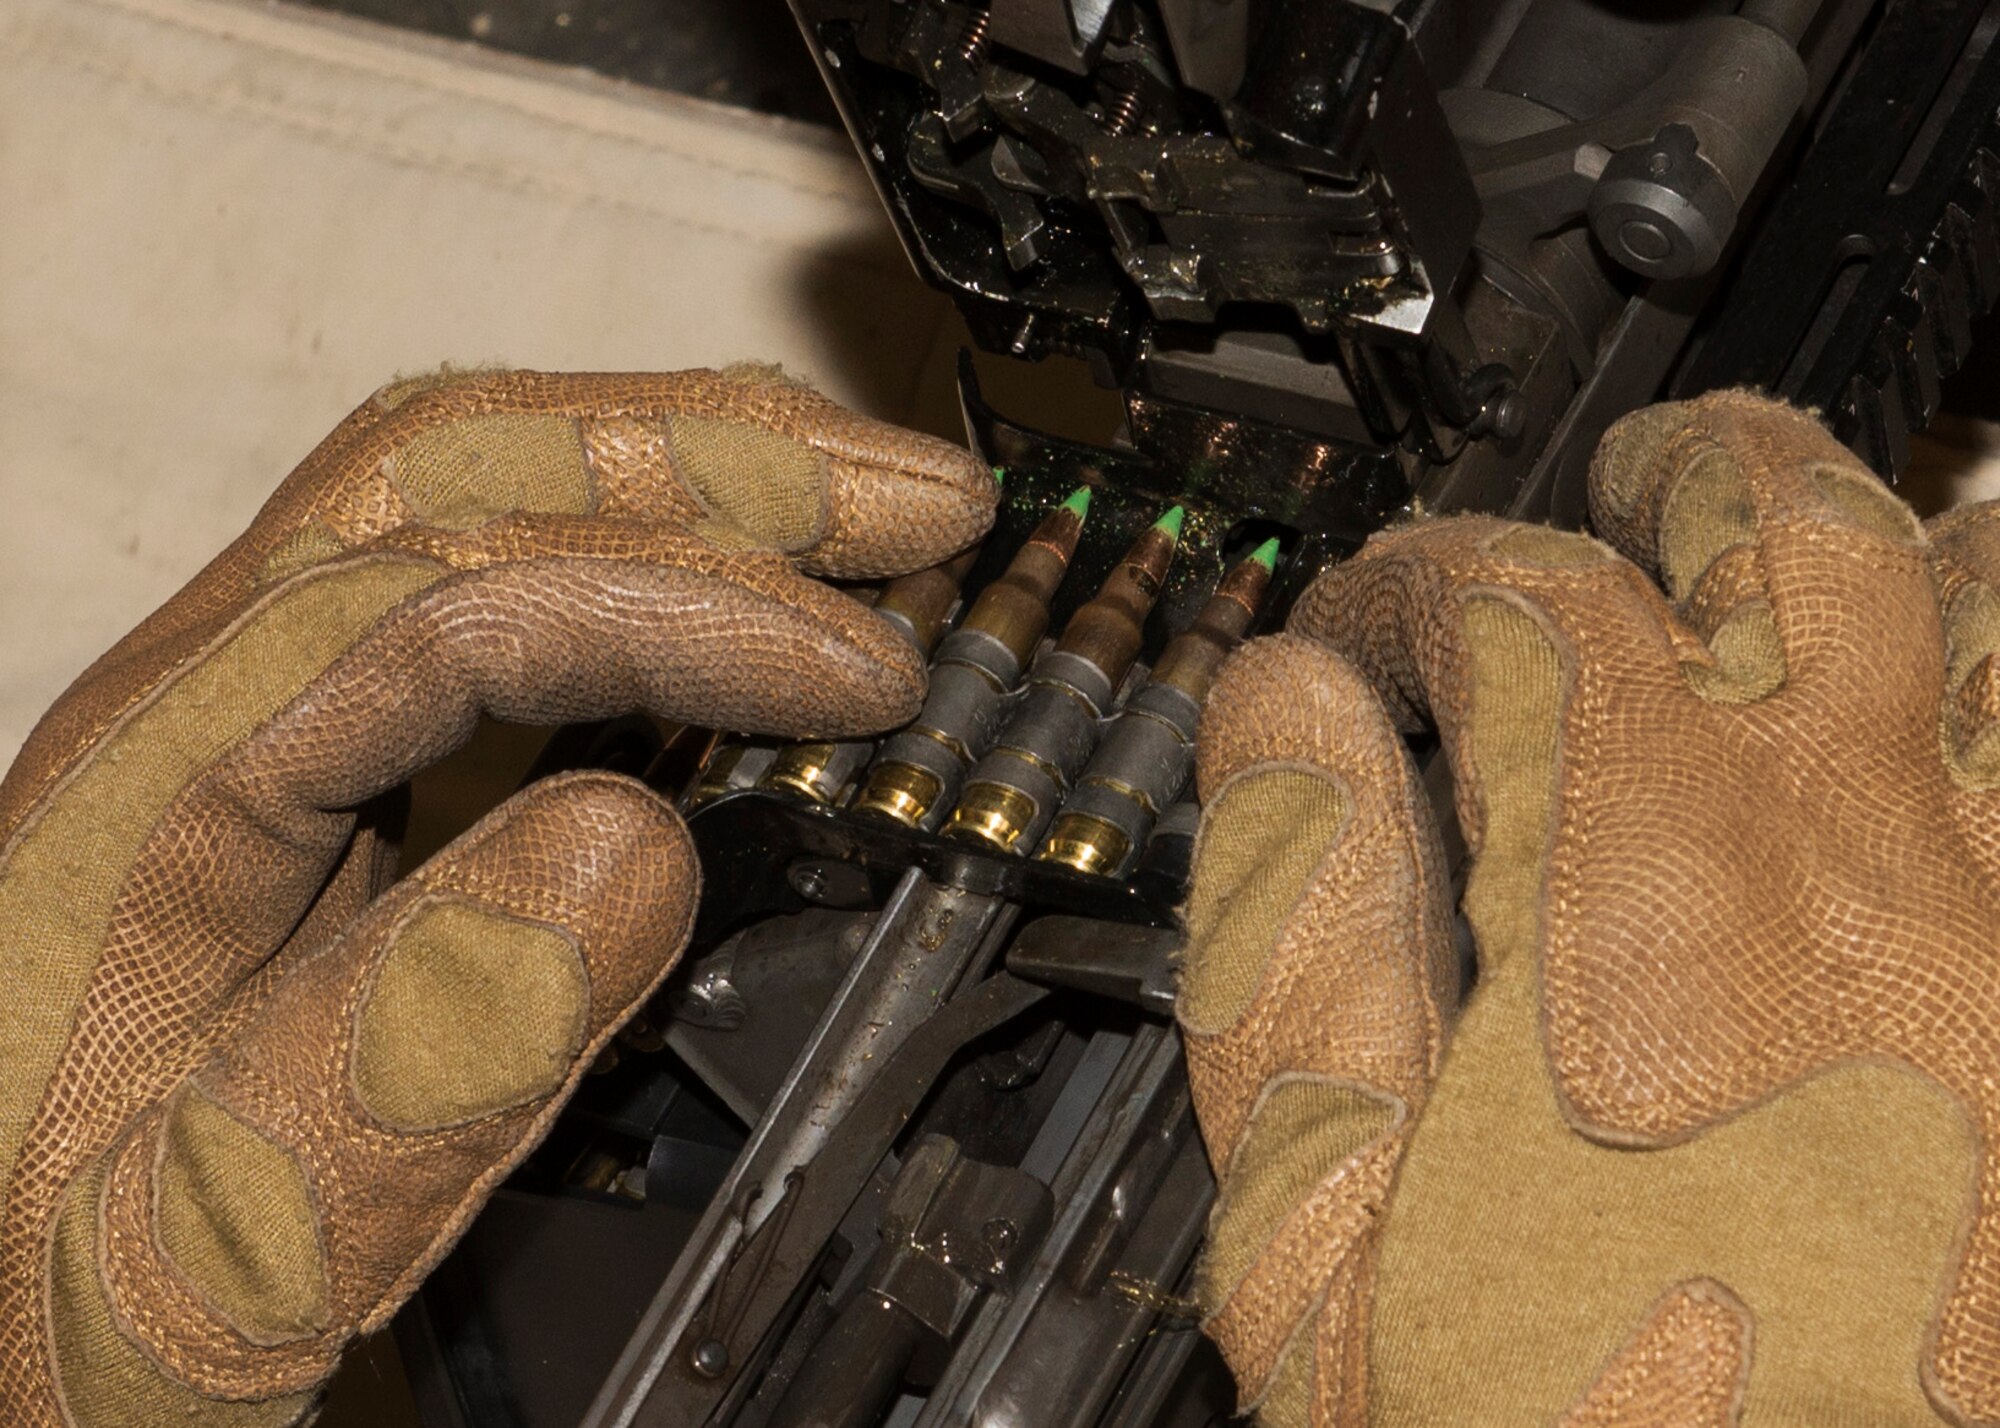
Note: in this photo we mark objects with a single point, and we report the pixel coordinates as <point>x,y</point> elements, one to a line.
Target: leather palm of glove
<point>247,1097</point>
<point>1710,1140</point>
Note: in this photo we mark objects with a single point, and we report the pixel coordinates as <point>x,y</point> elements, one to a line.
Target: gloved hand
<point>247,1097</point>
<point>1711,1141</point>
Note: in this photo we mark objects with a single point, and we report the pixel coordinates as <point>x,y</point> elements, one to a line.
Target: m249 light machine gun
<point>906,1140</point>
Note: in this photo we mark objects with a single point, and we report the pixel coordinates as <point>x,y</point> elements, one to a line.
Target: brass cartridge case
<point>916,606</point>
<point>1146,757</point>
<point>1014,791</point>
<point>918,774</point>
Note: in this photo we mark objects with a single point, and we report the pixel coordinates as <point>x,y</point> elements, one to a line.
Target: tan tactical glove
<point>246,1103</point>
<point>1711,1140</point>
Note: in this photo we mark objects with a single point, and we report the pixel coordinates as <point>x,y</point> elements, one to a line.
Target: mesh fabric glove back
<point>248,1097</point>
<point>1709,1142</point>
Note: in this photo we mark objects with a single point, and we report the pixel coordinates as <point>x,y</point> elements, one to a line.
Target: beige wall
<point>225,223</point>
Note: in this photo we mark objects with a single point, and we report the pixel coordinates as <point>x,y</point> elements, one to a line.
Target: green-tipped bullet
<point>1108,629</point>
<point>1015,608</point>
<point>1079,502</point>
<point>919,604</point>
<point>1192,657</point>
<point>1148,752</point>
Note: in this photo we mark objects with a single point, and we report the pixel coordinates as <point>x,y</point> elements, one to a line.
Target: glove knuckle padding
<point>1711,1140</point>
<point>237,1122</point>
<point>849,495</point>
